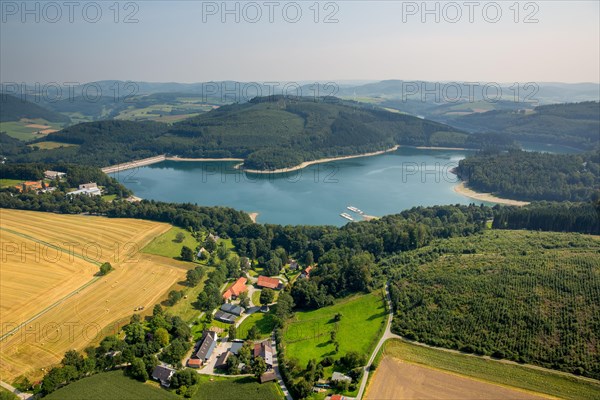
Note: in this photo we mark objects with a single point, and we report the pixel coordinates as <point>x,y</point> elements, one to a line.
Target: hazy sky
<point>177,41</point>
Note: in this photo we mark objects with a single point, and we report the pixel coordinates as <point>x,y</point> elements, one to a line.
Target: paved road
<point>24,396</point>
<point>276,369</point>
<point>387,334</point>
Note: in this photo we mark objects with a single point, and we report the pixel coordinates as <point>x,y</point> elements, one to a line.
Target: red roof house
<point>267,282</point>
<point>236,289</point>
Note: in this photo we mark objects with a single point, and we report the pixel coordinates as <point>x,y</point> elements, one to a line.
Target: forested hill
<point>534,176</point>
<point>13,109</point>
<point>268,132</point>
<point>575,124</point>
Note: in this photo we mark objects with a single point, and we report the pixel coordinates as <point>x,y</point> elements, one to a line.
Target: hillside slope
<point>268,132</point>
<point>575,124</point>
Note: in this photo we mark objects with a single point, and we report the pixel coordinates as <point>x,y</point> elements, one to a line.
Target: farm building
<point>207,346</point>
<point>194,363</point>
<point>232,309</point>
<point>267,282</point>
<point>54,174</point>
<point>225,317</point>
<point>236,289</point>
<point>163,374</point>
<point>88,189</point>
<point>268,377</point>
<point>264,350</point>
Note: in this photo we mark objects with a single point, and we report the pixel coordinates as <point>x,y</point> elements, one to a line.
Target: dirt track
<point>395,380</point>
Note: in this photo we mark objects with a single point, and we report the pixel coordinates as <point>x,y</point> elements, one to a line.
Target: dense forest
<point>526,296</point>
<point>268,133</point>
<point>13,109</point>
<point>574,124</point>
<point>534,176</point>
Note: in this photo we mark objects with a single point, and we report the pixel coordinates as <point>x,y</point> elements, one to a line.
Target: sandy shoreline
<point>319,161</point>
<point>461,188</point>
<point>253,216</point>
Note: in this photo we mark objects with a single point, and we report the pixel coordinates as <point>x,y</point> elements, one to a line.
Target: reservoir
<point>317,195</point>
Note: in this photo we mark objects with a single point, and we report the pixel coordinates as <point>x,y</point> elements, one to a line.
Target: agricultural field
<point>165,245</point>
<point>27,129</point>
<point>526,296</point>
<point>213,387</point>
<point>307,336</point>
<point>90,310</point>
<point>35,279</point>
<point>112,385</point>
<point>423,372</point>
<point>51,145</point>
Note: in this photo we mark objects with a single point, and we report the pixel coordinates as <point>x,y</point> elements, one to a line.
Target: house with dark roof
<point>225,317</point>
<point>236,289</point>
<point>264,350</point>
<point>207,346</point>
<point>163,374</point>
<point>235,347</point>
<point>293,264</point>
<point>232,309</point>
<point>268,282</point>
<point>222,360</point>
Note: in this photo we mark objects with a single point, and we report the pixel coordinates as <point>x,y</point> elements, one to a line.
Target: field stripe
<point>53,246</point>
<point>51,306</point>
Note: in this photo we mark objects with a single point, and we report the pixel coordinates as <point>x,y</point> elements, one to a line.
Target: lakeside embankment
<point>158,159</point>
<point>461,188</point>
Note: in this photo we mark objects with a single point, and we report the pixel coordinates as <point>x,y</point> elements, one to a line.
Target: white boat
<point>347,216</point>
<point>354,209</point>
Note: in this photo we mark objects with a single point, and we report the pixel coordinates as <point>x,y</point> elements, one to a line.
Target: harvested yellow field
<point>97,239</point>
<point>77,309</point>
<point>33,277</point>
<point>395,379</point>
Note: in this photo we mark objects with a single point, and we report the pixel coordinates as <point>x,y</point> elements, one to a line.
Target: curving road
<point>387,334</point>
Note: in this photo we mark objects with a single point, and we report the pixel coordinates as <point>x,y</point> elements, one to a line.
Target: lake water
<point>378,185</point>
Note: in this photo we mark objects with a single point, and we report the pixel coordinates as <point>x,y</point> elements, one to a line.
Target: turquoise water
<point>378,185</point>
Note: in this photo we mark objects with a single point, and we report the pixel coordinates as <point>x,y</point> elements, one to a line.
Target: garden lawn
<point>166,246</point>
<point>308,335</point>
<point>264,322</point>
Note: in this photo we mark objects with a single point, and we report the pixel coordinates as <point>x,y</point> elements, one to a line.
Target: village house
<point>222,360</point>
<point>268,282</point>
<point>236,289</point>
<point>306,273</point>
<point>163,374</point>
<point>264,350</point>
<point>293,264</point>
<point>206,347</point>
